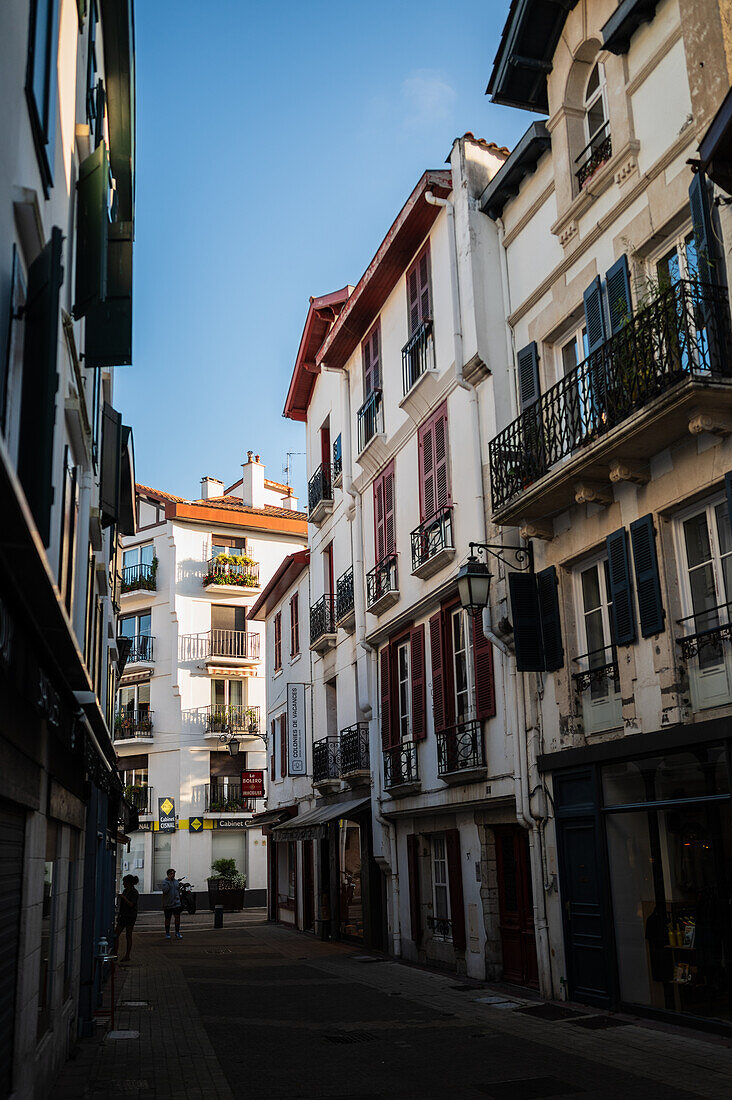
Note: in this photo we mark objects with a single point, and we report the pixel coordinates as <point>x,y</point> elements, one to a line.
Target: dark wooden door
<point>585,934</point>
<point>308,885</point>
<point>516,906</point>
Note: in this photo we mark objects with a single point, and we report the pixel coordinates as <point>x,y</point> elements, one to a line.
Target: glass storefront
<point>351,915</point>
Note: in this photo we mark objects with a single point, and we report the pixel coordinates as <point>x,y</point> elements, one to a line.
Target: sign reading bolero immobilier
<point>296,760</point>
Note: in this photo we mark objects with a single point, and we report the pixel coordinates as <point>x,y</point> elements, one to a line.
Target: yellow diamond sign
<point>166,806</point>
<point>196,824</point>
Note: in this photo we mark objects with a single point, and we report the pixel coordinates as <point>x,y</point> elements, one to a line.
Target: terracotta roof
<point>278,487</point>
<point>499,150</point>
<point>146,490</point>
<point>284,577</point>
<point>269,517</point>
<point>236,503</point>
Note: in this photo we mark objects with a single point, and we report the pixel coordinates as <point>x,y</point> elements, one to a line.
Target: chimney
<point>211,487</point>
<point>290,502</point>
<point>252,486</point>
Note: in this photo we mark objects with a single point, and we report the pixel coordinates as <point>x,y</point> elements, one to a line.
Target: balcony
<point>337,461</point>
<point>706,648</point>
<point>323,629</point>
<point>232,718</point>
<point>320,494</point>
<point>382,588</point>
<point>441,928</point>
<point>133,725</point>
<point>140,797</point>
<point>401,769</point>
<point>666,373</point>
<point>345,610</point>
<point>354,751</point>
<point>432,545</point>
<point>139,578</point>
<point>327,763</point>
<point>461,752</point>
<point>227,573</point>
<point>142,650</point>
<point>593,156</point>
<point>597,686</point>
<point>370,418</point>
<point>227,798</point>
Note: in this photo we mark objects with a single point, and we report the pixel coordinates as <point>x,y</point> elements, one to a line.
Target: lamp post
<point>232,743</point>
<point>474,578</point>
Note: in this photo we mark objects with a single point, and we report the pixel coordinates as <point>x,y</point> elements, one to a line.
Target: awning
<point>311,824</point>
<point>268,817</point>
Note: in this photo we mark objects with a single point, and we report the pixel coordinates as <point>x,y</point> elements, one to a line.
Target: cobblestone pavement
<point>256,1011</point>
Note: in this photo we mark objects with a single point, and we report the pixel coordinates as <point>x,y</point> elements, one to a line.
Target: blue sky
<point>276,144</point>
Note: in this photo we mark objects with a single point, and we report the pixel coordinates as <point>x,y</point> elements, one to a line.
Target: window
<point>434,466</point>
<point>295,625</point>
<point>135,776</point>
<point>573,352</point>
<point>463,669</point>
<point>419,296</point>
<point>226,694</point>
<point>598,676</point>
<point>371,355</point>
<point>278,641</point>
<point>679,261</point>
<point>40,83</point>
<point>440,890</point>
<point>134,699</point>
<point>228,544</point>
<point>139,629</point>
<point>149,512</point>
<point>404,692</point>
<point>138,555</point>
<point>596,105</point>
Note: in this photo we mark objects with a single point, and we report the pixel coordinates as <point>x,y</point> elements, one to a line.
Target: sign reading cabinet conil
<point>166,815</point>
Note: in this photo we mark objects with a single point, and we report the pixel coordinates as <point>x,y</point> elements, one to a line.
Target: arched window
<point>597,131</point>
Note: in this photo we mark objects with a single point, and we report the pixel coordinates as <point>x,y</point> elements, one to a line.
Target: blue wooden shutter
<point>702,225</point>
<point>92,222</point>
<point>40,382</point>
<point>527,360</point>
<point>617,283</point>
<point>526,622</point>
<point>551,627</point>
<point>647,580</point>
<point>621,592</point>
<point>594,315</point>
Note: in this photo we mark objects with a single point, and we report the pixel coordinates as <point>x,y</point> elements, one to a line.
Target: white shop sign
<point>296,755</point>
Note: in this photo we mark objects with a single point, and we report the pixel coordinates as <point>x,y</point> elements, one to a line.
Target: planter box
<point>231,897</point>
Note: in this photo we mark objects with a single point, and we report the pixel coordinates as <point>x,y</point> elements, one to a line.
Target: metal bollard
<point>218,916</point>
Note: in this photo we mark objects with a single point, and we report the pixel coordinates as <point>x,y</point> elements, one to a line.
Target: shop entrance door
<point>516,907</point>
<point>308,885</point>
<point>585,938</point>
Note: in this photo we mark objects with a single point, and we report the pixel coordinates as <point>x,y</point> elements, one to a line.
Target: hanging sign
<point>296,761</point>
<point>166,815</point>
<point>252,784</point>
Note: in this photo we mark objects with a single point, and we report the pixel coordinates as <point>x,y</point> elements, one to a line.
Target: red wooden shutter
<point>485,688</point>
<point>419,694</point>
<point>372,361</point>
<point>273,746</point>
<point>426,446</point>
<point>325,445</point>
<point>413,295</point>
<point>385,688</point>
<point>294,625</point>
<point>418,291</point>
<point>380,541</point>
<point>283,745</point>
<point>415,912</point>
<point>389,519</point>
<point>443,497</point>
<point>455,882</point>
<point>438,671</point>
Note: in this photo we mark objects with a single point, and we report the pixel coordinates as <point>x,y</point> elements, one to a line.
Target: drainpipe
<point>510,338</point>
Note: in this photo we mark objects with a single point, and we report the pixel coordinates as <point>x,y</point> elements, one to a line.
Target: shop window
<point>349,862</point>
<point>596,681</point>
<point>161,858</point>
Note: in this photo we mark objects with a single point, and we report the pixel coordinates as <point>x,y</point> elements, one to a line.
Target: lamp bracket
<point>521,557</point>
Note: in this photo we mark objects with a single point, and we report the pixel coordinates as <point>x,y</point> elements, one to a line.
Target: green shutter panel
<point>109,324</point>
<point>40,382</point>
<point>621,592</point>
<point>647,579</point>
<point>92,222</point>
<point>594,315</point>
<point>524,595</point>
<point>701,220</point>
<point>109,477</point>
<point>551,628</point>
<point>617,284</point>
<point>527,360</point>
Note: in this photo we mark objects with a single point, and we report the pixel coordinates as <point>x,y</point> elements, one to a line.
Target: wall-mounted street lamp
<point>474,578</point>
<point>232,743</point>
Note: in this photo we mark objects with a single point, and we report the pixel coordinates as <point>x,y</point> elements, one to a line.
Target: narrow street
<point>260,1012</point>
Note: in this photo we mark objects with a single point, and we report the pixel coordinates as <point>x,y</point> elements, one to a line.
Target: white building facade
<point>194,681</point>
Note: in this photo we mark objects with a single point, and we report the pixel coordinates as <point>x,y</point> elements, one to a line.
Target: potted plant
<point>226,886</point>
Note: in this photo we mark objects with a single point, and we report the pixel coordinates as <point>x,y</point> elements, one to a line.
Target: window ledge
<point>615,170</point>
<point>295,658</point>
<point>277,672</point>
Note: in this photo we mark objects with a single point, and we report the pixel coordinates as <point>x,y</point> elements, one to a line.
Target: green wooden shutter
<point>701,220</point>
<point>621,592</point>
<point>617,283</point>
<point>594,315</point>
<point>419,685</point>
<point>524,595</point>
<point>92,222</point>
<point>40,382</point>
<point>109,478</point>
<point>647,580</point>
<point>109,324</point>
<point>551,627</point>
<point>527,360</point>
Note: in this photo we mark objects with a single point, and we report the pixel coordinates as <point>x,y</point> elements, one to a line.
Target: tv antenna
<point>287,468</point>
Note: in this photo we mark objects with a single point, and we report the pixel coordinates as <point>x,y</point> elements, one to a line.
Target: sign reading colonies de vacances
<point>296,761</point>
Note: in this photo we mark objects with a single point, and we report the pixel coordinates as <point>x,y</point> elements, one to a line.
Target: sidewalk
<point>258,1011</point>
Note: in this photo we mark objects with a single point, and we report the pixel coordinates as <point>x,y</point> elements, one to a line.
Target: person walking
<point>127,916</point>
<point>171,903</point>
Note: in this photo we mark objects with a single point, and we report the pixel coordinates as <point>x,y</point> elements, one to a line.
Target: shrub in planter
<point>226,886</point>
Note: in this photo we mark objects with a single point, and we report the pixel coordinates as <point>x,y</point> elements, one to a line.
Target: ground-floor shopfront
<point>644,840</point>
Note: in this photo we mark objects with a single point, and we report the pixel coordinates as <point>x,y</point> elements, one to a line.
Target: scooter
<point>187,897</point>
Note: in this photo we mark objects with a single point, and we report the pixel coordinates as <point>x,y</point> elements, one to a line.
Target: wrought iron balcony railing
<point>441,928</point>
<point>370,419</point>
<point>683,333</point>
<point>418,355</point>
<point>234,643</point>
<point>355,748</point>
<point>320,487</point>
<point>460,748</point>
<point>133,723</point>
<point>337,459</point>
<point>382,580</point>
<point>233,570</point>
<point>139,578</point>
<point>344,595</point>
<point>706,648</point>
<point>326,759</point>
<point>597,685</point>
<point>401,766</point>
<point>322,618</point>
<point>232,718</point>
<point>142,649</point>
<point>227,798</point>
<point>141,797</point>
<point>431,538</point>
<point>595,153</point>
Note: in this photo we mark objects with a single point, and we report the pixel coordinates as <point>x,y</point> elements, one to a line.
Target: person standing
<point>127,916</point>
<point>171,903</point>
